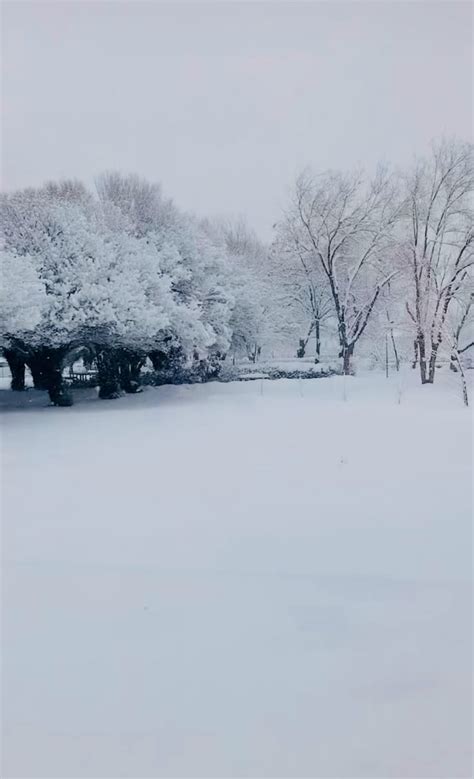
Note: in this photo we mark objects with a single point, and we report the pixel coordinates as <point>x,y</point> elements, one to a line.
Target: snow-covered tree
<point>102,287</point>
<point>254,317</point>
<point>344,223</point>
<point>438,244</point>
<point>303,292</point>
<point>192,257</point>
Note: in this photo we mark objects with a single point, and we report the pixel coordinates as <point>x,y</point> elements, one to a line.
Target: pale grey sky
<point>225,102</point>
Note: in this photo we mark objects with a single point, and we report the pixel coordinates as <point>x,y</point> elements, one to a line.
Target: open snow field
<point>254,579</point>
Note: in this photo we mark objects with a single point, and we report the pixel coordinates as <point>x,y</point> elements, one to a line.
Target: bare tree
<point>345,225</point>
<point>302,289</point>
<point>439,246</point>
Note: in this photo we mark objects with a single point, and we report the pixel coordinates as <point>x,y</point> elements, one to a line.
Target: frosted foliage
<point>22,294</point>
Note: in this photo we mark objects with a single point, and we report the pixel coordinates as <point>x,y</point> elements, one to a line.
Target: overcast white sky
<point>225,102</point>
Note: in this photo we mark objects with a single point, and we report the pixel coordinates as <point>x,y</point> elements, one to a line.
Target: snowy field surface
<point>262,579</point>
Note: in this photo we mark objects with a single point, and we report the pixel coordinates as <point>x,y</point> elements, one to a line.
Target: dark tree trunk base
<point>432,365</point>
<point>36,366</point>
<point>301,350</point>
<point>132,387</point>
<point>46,366</point>
<point>108,370</point>
<point>130,365</point>
<point>16,363</point>
<point>346,354</point>
<point>109,391</point>
<point>60,397</point>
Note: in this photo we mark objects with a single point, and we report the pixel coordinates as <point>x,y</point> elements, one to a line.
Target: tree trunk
<point>301,350</point>
<point>415,354</point>
<point>318,341</point>
<point>463,382</point>
<point>136,364</point>
<point>422,357</point>
<point>304,342</point>
<point>464,386</point>
<point>253,352</point>
<point>395,351</point>
<point>159,360</point>
<point>58,394</point>
<point>108,371</point>
<point>347,353</point>
<point>35,363</point>
<point>48,368</point>
<point>432,364</point>
<point>346,350</point>
<point>16,363</point>
<point>346,363</point>
<point>130,365</point>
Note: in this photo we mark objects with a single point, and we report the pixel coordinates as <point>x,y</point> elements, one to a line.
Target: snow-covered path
<point>254,579</point>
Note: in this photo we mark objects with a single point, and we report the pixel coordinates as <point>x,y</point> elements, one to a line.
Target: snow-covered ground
<point>259,579</point>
